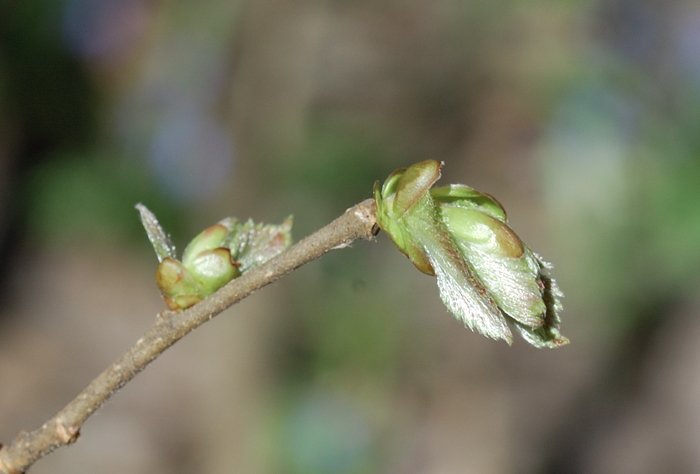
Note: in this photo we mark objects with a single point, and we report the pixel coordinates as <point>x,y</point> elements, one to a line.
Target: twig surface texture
<point>358,222</point>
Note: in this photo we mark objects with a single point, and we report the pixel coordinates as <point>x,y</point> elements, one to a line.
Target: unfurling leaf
<point>217,255</point>
<point>486,275</point>
<point>253,244</point>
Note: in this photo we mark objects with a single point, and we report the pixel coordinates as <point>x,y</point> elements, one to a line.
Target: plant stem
<point>358,222</point>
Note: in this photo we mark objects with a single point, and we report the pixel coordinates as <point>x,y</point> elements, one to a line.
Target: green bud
<point>479,229</point>
<point>176,284</point>
<point>212,269</point>
<point>487,277</point>
<point>213,258</point>
<point>403,191</point>
<point>209,239</point>
<point>413,184</point>
<point>465,197</point>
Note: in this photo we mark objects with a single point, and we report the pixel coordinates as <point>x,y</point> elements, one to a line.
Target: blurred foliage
<point>338,161</point>
<point>341,363</point>
<point>347,329</point>
<point>78,200</point>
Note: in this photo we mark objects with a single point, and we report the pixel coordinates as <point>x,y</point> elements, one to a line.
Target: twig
<point>358,222</point>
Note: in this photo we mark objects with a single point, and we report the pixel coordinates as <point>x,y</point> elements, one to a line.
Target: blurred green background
<point>582,117</point>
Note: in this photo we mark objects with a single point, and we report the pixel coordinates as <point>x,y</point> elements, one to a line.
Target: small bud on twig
<point>216,256</point>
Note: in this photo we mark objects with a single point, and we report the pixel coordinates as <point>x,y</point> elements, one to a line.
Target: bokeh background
<point>581,116</point>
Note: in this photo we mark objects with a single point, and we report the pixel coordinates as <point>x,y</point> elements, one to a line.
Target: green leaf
<point>461,290</point>
<point>159,239</point>
<point>254,244</point>
<point>413,184</point>
<point>465,197</point>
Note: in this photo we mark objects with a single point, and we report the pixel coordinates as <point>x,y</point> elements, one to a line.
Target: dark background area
<point>582,117</point>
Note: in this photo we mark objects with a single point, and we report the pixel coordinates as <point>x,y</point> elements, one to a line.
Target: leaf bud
<point>216,256</point>
<point>209,239</point>
<point>486,275</point>
<point>212,269</point>
<point>176,284</point>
